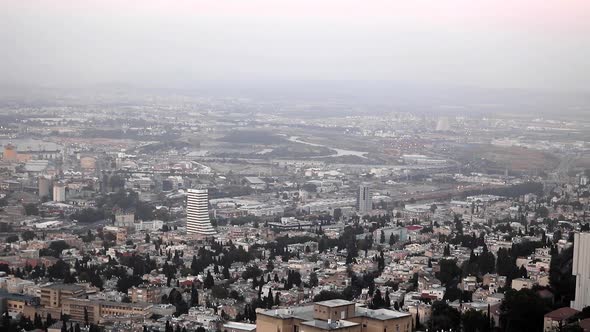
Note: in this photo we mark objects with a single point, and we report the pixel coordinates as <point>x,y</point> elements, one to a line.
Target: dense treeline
<point>512,191</point>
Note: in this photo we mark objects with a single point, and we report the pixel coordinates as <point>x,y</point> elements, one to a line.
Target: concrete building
<point>99,310</point>
<point>364,201</point>
<point>53,295</point>
<point>148,225</point>
<point>520,283</point>
<point>59,192</point>
<point>10,153</point>
<point>44,185</point>
<point>239,327</point>
<point>14,304</point>
<point>443,124</point>
<point>333,315</point>
<point>124,219</point>
<point>88,163</point>
<point>145,294</point>
<point>399,234</point>
<point>581,269</point>
<point>557,319</point>
<point>197,213</point>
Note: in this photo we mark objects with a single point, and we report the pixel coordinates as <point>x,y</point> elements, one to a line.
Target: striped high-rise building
<point>197,213</point>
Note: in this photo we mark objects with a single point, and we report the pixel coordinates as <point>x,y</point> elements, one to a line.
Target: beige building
<point>556,320</point>
<point>120,233</point>
<point>88,163</point>
<point>126,220</point>
<point>98,310</point>
<point>53,295</point>
<point>341,315</point>
<point>145,294</point>
<point>520,283</point>
<point>15,304</point>
<point>238,327</point>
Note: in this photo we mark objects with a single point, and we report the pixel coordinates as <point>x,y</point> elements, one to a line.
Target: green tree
<point>11,238</point>
<point>209,281</point>
<point>522,310</point>
<point>560,276</point>
<point>475,321</point>
<point>313,279</point>
<point>219,292</point>
<point>449,271</point>
<point>31,209</point>
<point>392,239</point>
<point>28,235</point>
<point>444,317</point>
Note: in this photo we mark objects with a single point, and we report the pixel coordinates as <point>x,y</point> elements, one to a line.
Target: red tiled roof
<point>561,313</point>
<point>585,324</point>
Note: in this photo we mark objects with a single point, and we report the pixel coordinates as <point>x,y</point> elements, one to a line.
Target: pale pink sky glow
<point>519,43</point>
<point>549,14</point>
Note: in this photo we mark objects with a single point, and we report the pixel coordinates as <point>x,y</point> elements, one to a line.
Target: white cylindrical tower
<point>197,213</point>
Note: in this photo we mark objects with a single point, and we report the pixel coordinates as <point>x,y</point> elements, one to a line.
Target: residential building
<point>557,319</point>
<point>52,295</point>
<point>341,315</point>
<point>197,213</point>
<point>145,294</point>
<point>59,192</point>
<point>581,269</point>
<point>14,304</point>
<point>97,310</point>
<point>520,283</point>
<point>364,201</point>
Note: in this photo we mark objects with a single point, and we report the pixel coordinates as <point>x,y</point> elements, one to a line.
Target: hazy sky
<point>169,43</point>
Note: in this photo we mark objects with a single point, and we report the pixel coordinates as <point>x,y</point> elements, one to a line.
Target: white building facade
<point>581,269</point>
<point>197,213</point>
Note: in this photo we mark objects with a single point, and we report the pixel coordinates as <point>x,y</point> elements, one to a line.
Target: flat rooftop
<point>334,303</point>
<point>380,314</point>
<point>306,313</point>
<point>324,325</point>
<point>67,287</point>
<point>240,326</point>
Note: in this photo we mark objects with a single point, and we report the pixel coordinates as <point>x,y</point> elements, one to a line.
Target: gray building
<point>581,269</point>
<point>364,202</point>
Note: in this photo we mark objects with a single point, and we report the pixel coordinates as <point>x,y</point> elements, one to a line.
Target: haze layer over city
<point>294,166</point>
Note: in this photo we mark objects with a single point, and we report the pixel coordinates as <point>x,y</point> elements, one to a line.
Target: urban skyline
<point>294,166</point>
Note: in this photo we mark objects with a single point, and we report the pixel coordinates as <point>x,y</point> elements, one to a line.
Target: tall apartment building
<point>197,213</point>
<point>581,269</point>
<point>44,184</point>
<point>59,192</point>
<point>341,315</point>
<point>364,202</point>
